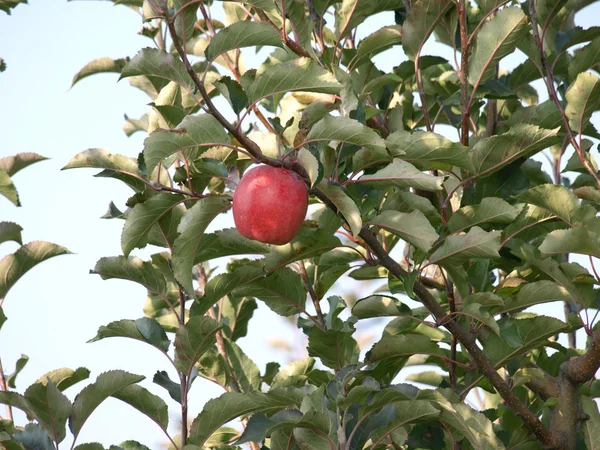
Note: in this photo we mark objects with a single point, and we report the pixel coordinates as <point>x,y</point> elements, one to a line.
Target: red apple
<point>269,204</point>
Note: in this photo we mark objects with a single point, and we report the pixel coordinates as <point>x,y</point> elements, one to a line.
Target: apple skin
<point>269,204</point>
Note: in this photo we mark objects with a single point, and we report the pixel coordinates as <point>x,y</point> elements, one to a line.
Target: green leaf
<point>408,411</point>
<point>98,158</point>
<point>238,311</point>
<point>10,231</point>
<point>7,5</point>
<point>308,243</point>
<point>427,150</point>
<point>233,92</point>
<point>575,240</point>
<point>534,294</point>
<point>283,291</point>
<point>174,389</point>
<point>521,141</point>
<point>345,205</point>
<point>245,370</point>
<point>294,374</point>
<point>15,265</point>
<point>100,65</point>
<point>354,12</point>
<point>412,227</point>
<point>243,34</point>
<point>11,379</point>
<point>335,348</point>
<point>490,210</point>
<point>473,310</point>
<point>193,339</point>
<point>379,306</point>
<point>132,269</point>
<point>402,174</point>
<point>34,437</point>
<point>301,74</point>
<point>91,396</point>
<point>531,332</point>
<point>50,407</point>
<point>344,129</point>
<point>583,98</point>
<point>145,402</point>
<point>64,378</point>
<point>231,405</point>
<point>228,242</point>
<point>591,427</point>
<point>555,199</point>
<point>8,189</point>
<point>144,216</point>
<point>475,244</point>
<point>403,345</point>
<point>585,58</point>
<point>190,241</point>
<point>201,130</point>
<point>496,39</point>
<point>420,22</point>
<point>144,330</point>
<point>158,63</point>
<point>375,43</point>
<point>471,424</point>
<point>312,166</point>
<point>13,164</point>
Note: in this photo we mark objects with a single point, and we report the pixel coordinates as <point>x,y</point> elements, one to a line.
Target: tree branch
<point>467,340</point>
<point>549,81</point>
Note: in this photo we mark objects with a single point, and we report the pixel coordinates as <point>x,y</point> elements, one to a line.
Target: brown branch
<point>549,81</point>
<point>582,369</point>
<point>312,293</point>
<point>3,387</point>
<point>467,340</point>
<point>464,72</point>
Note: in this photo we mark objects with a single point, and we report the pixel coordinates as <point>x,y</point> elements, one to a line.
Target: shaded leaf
<point>145,402</point>
<point>475,244</point>
<point>157,63</point>
<point>174,389</point>
<point>243,34</point>
<point>50,407</point>
<point>193,131</point>
<point>521,141</point>
<point>583,98</point>
<point>8,189</point>
<point>412,227</point>
<point>345,205</point>
<point>100,65</point>
<point>375,43</point>
<point>420,23</point>
<point>144,216</point>
<point>496,39</point>
<point>490,209</point>
<point>193,339</point>
<point>10,231</point>
<point>190,241</point>
<point>15,265</point>
<point>64,378</point>
<point>13,164</point>
<point>301,74</point>
<point>91,396</point>
<point>132,269</point>
<point>231,405</point>
<point>379,306</point>
<point>402,174</point>
<point>344,129</point>
<point>427,150</point>
<point>144,330</point>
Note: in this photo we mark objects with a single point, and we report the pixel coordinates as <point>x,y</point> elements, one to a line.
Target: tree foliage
<point>427,188</point>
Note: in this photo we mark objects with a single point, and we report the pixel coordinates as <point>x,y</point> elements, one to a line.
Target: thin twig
<point>3,387</point>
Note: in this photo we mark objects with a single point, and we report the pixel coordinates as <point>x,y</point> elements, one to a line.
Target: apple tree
<point>457,194</point>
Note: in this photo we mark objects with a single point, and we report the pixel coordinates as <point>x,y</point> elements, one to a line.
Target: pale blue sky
<point>58,306</point>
